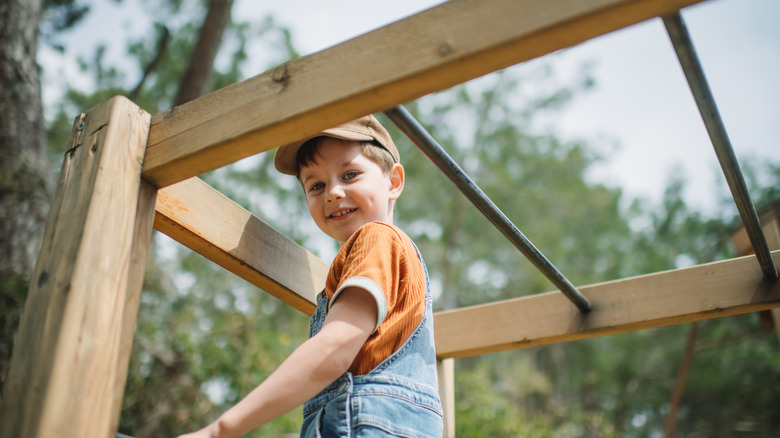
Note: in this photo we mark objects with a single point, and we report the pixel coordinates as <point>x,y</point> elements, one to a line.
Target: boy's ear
<point>396,181</point>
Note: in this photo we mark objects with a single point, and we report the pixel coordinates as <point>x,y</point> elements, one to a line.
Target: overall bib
<point>397,398</point>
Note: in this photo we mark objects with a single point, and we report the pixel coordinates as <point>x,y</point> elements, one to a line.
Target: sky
<point>640,103</point>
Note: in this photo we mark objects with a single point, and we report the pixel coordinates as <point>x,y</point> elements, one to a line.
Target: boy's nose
<point>336,192</point>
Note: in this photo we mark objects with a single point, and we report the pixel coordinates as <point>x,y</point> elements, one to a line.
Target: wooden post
<point>770,223</point>
<point>70,358</point>
<point>447,394</point>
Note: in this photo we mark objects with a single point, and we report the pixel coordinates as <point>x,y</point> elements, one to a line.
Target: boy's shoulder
<point>378,230</point>
<point>378,239</point>
<point>379,247</point>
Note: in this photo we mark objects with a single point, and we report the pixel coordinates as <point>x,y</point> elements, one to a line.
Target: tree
<point>25,169</point>
<point>197,78</point>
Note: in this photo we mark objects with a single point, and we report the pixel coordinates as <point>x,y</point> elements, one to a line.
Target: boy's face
<point>345,190</point>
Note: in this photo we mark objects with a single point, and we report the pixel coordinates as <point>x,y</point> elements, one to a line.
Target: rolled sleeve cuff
<point>371,287</point>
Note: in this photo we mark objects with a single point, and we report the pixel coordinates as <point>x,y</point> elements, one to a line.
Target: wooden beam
<point>769,217</point>
<point>446,373</point>
<point>70,358</point>
<point>206,221</point>
<point>428,52</point>
<point>702,292</point>
<point>209,223</point>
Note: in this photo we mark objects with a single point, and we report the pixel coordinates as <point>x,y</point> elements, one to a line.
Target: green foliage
<point>736,373</point>
<point>529,176</point>
<point>58,16</point>
<point>177,23</point>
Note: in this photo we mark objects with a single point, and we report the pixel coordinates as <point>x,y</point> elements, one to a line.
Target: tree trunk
<point>24,167</point>
<point>682,376</point>
<point>197,79</point>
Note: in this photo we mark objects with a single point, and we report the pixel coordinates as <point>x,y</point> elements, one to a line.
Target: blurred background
<point>596,152</point>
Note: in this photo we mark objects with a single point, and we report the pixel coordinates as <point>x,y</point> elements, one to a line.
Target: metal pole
<point>683,46</point>
<point>419,136</point>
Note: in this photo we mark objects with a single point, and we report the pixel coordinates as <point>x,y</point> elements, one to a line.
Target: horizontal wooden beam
<point>673,297</point>
<point>428,52</point>
<point>769,217</point>
<point>209,223</point>
<point>204,220</point>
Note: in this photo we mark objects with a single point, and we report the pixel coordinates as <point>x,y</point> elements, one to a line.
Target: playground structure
<point>126,172</point>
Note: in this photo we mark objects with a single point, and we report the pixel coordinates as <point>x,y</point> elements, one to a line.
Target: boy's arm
<point>310,368</point>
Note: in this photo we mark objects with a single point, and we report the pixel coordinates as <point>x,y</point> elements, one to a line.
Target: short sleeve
<point>371,287</point>
<point>370,260</point>
<point>380,259</point>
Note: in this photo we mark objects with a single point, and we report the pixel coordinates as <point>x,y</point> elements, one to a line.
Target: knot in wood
<point>281,74</point>
<point>446,49</point>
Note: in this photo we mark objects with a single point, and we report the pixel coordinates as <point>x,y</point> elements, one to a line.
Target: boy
<point>369,365</point>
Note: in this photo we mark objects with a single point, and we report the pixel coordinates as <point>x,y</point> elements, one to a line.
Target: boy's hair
<point>370,149</point>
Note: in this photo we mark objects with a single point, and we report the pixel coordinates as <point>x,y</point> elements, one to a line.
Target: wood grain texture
<point>204,220</point>
<point>673,297</point>
<point>69,363</point>
<point>428,52</point>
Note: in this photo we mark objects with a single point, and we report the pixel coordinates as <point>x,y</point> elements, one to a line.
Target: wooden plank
<point>446,372</point>
<point>428,52</point>
<point>674,297</point>
<point>69,362</point>
<point>769,217</point>
<point>204,220</point>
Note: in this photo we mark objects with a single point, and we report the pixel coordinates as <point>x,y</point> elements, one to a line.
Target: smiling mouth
<point>342,212</point>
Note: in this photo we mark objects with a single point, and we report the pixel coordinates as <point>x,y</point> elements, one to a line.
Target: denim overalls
<point>397,398</point>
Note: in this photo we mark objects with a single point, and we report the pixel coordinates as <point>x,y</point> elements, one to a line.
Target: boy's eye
<point>316,186</point>
<point>351,174</point>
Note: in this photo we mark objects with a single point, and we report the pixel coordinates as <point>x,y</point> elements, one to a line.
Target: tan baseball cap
<point>366,128</point>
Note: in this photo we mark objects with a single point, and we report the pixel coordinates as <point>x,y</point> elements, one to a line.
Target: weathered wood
<point>446,372</point>
<point>144,219</point>
<point>206,221</point>
<point>69,363</point>
<point>431,51</point>
<point>702,292</point>
<point>769,217</point>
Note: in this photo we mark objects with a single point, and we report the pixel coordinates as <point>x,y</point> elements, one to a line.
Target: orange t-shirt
<point>382,260</point>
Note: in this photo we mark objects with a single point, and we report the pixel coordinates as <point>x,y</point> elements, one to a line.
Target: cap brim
<point>286,156</point>
<point>363,129</point>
